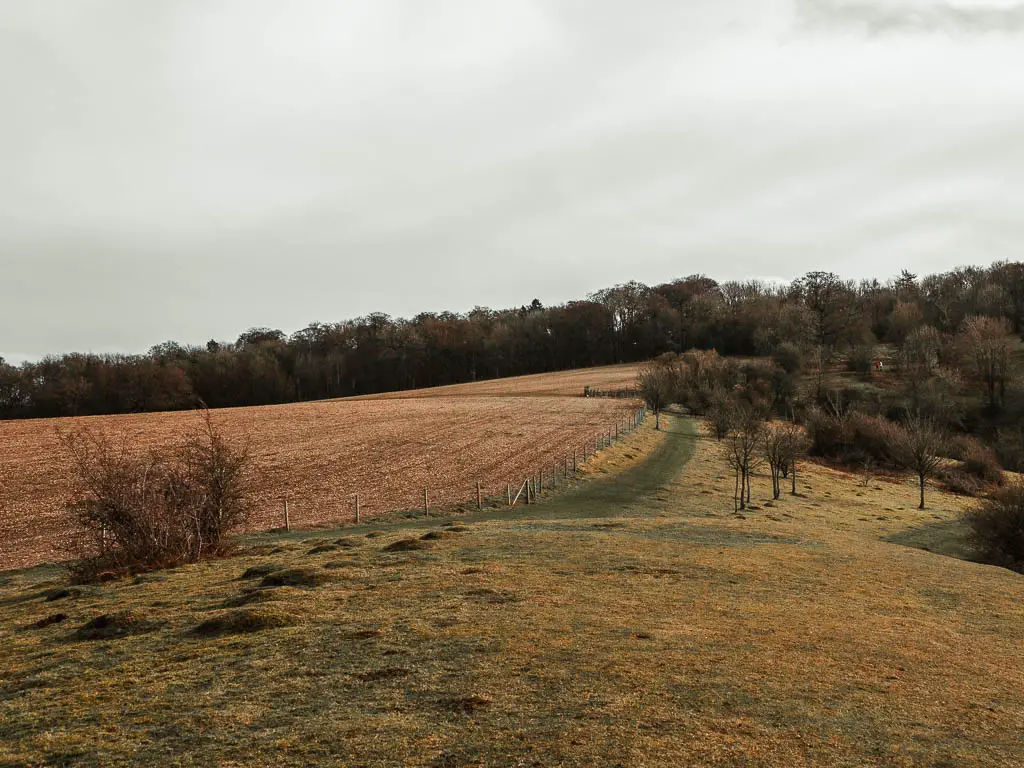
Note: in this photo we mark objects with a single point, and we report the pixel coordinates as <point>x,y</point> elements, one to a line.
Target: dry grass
<point>320,454</point>
<point>671,633</point>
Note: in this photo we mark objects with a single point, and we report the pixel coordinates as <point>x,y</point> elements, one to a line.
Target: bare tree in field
<point>916,445</point>
<point>722,415</point>
<point>985,342</point>
<point>783,443</point>
<point>741,451</point>
<point>794,447</point>
<point>773,446</point>
<point>658,383</point>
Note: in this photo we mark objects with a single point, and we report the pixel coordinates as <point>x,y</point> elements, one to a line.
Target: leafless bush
<point>142,511</point>
<point>997,527</point>
<point>917,446</point>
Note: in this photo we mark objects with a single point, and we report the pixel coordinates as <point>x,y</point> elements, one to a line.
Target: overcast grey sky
<point>185,169</point>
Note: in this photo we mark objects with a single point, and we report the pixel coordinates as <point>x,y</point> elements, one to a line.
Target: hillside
<point>637,621</point>
<point>319,455</point>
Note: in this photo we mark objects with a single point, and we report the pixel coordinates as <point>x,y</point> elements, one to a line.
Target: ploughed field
<point>563,383</point>
<point>319,455</point>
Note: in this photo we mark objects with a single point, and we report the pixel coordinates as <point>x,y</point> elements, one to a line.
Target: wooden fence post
<point>479,498</point>
<point>357,507</point>
<point>426,505</point>
<point>287,519</point>
<point>508,492</point>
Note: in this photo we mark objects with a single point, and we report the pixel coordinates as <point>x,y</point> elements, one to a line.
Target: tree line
<point>816,317</point>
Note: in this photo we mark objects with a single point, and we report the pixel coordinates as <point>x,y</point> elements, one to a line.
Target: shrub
<point>997,527</point>
<point>158,509</point>
<point>870,438</point>
<point>1010,448</point>
<point>861,359</point>
<point>983,464</point>
<point>825,432</point>
<point>958,481</point>
<point>788,357</point>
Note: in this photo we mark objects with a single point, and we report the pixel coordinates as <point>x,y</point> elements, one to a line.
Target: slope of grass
<point>637,621</point>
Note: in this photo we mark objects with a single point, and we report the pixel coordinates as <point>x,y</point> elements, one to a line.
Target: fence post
<point>508,493</point>
<point>426,505</point>
<point>479,498</point>
<point>574,460</point>
<point>357,507</point>
<point>287,519</point>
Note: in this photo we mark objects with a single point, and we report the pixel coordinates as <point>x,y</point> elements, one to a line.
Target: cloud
<point>881,18</point>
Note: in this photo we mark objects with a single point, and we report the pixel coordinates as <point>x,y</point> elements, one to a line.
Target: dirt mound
<point>406,545</point>
<point>436,535</point>
<point>321,548</point>
<point>259,596</point>
<point>245,621</point>
<point>56,618</point>
<point>114,625</point>
<point>297,577</point>
<point>260,571</point>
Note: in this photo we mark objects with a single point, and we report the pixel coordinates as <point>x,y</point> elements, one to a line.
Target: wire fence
<point>548,476</point>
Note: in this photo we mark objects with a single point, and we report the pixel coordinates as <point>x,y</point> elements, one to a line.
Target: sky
<point>187,169</point>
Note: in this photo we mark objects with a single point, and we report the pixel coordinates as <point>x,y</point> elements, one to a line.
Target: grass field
<point>318,455</point>
<point>636,621</point>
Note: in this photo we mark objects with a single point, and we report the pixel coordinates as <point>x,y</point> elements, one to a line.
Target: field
<point>563,383</point>
<point>636,621</point>
<point>320,454</point>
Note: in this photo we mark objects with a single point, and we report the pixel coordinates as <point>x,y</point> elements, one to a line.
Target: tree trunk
<point>793,492</point>
<point>743,482</point>
<point>922,493</point>
<point>657,419</point>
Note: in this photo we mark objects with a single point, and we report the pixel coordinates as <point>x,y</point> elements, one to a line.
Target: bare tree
<point>722,415</point>
<point>658,383</point>
<point>787,444</point>
<point>985,341</point>
<point>774,441</point>
<point>741,451</point>
<point>916,445</point>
